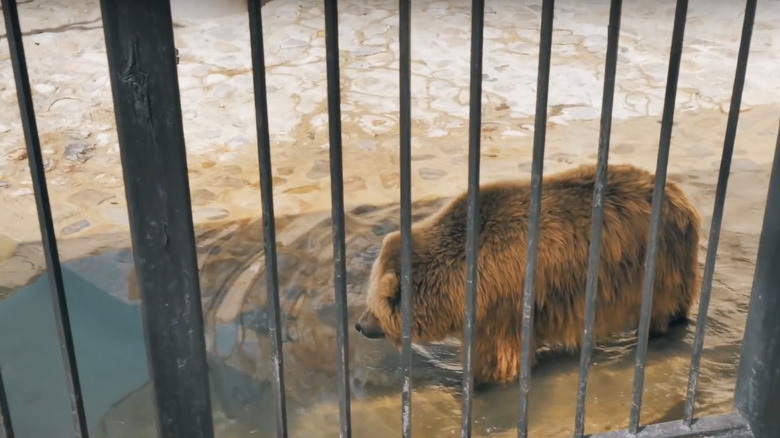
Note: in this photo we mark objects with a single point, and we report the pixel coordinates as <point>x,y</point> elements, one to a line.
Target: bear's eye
<point>391,289</point>
<point>394,300</point>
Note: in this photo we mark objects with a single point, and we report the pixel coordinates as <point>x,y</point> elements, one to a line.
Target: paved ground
<point>67,61</point>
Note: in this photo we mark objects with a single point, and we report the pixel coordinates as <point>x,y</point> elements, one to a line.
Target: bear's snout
<point>368,326</point>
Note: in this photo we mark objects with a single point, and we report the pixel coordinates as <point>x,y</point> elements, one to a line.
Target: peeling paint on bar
<point>537,165</point>
<point>145,89</point>
<point>473,219</point>
<point>597,222</point>
<point>5,411</point>
<point>45,221</point>
<point>405,120</point>
<point>269,222</point>
<point>720,199</point>
<point>667,122</point>
<point>337,213</point>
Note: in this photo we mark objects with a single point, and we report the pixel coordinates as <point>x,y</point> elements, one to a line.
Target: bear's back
<point>565,229</point>
<point>567,200</point>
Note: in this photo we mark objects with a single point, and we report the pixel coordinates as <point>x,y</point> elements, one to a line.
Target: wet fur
<point>439,266</point>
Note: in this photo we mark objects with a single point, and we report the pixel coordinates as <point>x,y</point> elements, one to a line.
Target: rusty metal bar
<point>48,235</point>
<point>269,222</point>
<point>404,66</point>
<point>758,382</point>
<point>720,200</point>
<point>5,411</point>
<point>144,83</point>
<point>537,166</point>
<point>473,219</point>
<point>337,211</point>
<point>667,120</point>
<point>597,222</point>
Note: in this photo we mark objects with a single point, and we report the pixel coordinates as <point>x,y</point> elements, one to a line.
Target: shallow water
<point>233,288</point>
<point>232,273</point>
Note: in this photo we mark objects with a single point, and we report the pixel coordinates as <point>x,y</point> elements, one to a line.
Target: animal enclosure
<point>142,60</point>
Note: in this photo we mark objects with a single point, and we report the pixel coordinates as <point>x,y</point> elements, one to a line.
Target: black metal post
<point>720,199</point>
<point>667,120</point>
<point>404,66</point>
<point>337,210</point>
<point>473,219</point>
<point>537,166</point>
<point>269,223</point>
<point>5,411</point>
<point>142,65</point>
<point>758,382</point>
<point>48,236</point>
<point>597,221</point>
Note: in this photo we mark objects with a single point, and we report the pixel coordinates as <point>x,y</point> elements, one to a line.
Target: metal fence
<point>142,64</point>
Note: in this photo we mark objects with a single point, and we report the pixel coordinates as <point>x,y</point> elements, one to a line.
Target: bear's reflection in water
<point>237,318</point>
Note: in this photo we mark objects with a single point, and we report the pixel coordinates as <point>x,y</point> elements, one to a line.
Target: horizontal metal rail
<point>716,426</point>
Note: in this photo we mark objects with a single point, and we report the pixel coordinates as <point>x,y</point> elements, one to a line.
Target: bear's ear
<point>391,244</point>
<point>391,236</point>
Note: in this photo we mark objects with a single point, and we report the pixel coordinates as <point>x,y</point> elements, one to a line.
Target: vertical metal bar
<point>5,412</point>
<point>48,237</point>
<point>142,67</point>
<point>337,210</point>
<point>597,221</point>
<point>667,120</point>
<point>717,213</point>
<point>537,165</point>
<point>758,381</point>
<point>404,32</point>
<point>473,219</point>
<point>269,223</point>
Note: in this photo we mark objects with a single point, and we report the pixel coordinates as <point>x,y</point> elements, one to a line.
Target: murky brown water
<point>234,297</point>
<point>233,287</point>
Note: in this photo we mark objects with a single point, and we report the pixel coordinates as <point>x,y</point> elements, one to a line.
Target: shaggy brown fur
<point>439,267</point>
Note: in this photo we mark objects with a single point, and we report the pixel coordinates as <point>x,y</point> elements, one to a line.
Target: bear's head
<point>383,314</point>
<point>431,320</point>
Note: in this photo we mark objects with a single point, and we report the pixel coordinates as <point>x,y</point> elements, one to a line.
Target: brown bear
<point>439,267</point>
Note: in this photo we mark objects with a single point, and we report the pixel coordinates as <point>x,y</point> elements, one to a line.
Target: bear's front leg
<point>498,360</point>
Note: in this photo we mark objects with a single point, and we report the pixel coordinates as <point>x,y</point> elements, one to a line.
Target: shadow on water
<point>232,274</point>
